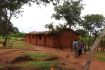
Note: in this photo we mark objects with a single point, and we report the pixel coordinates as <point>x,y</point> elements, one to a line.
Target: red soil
<point>65,56</point>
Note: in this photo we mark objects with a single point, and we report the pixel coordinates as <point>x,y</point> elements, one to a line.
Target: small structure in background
<point>61,39</point>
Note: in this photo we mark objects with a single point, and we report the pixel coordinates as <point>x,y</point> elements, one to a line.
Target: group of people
<point>78,48</point>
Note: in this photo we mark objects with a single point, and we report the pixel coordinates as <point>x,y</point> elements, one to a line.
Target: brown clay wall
<point>33,39</point>
<point>28,39</point>
<point>63,40</point>
<point>49,41</point>
<point>40,40</point>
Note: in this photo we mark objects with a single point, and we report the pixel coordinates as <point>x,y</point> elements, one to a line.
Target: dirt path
<point>65,56</point>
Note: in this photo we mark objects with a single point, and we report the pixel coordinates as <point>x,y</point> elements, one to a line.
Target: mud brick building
<point>61,39</point>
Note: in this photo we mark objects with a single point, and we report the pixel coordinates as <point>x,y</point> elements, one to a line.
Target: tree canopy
<point>81,32</point>
<point>70,11</point>
<point>93,24</point>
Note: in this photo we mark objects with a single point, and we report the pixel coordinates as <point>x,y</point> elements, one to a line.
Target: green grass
<point>1,66</point>
<point>35,55</point>
<point>99,55</point>
<point>16,44</point>
<point>38,63</point>
<point>19,44</point>
<point>43,65</point>
<point>35,64</point>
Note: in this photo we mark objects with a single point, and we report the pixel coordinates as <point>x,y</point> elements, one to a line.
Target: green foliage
<point>7,29</point>
<point>88,40</point>
<point>103,39</point>
<point>82,32</point>
<point>50,26</point>
<point>8,9</point>
<point>54,2</point>
<point>92,27</point>
<point>17,35</point>
<point>93,24</point>
<point>70,11</point>
<point>57,28</point>
<point>100,56</point>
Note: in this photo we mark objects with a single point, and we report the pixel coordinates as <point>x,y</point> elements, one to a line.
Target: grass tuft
<point>35,55</point>
<point>35,64</point>
<point>1,66</point>
<point>99,55</point>
<point>13,44</point>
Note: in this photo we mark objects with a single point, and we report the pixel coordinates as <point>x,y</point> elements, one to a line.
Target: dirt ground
<point>65,56</point>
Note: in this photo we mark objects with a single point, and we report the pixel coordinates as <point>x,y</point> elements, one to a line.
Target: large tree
<point>92,50</point>
<point>70,11</point>
<point>93,24</point>
<point>10,8</point>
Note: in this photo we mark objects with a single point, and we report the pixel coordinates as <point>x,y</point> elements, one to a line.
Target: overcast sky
<point>35,18</point>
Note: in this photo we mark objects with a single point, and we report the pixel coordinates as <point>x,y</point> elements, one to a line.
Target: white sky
<point>35,18</point>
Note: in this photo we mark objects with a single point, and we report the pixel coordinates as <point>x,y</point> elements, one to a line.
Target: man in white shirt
<point>75,48</point>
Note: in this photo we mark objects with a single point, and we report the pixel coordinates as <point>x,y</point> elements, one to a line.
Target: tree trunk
<point>5,41</point>
<point>101,45</point>
<point>95,45</point>
<point>5,34</point>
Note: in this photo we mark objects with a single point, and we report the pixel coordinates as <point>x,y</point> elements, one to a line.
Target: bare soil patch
<point>65,56</point>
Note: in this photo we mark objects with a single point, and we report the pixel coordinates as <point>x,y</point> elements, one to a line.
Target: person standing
<point>81,46</point>
<point>75,48</point>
